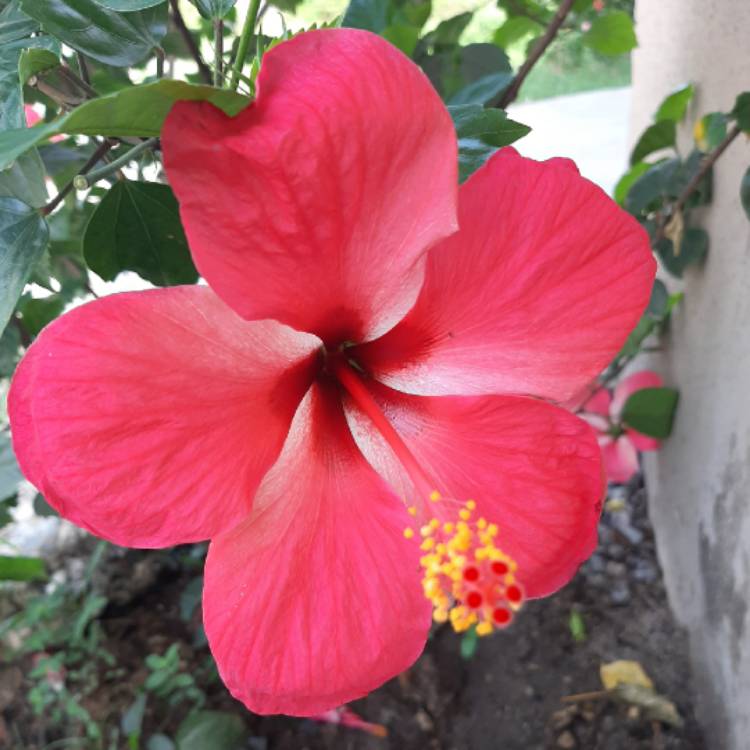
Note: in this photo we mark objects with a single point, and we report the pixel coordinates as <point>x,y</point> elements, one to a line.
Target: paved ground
<point>590,128</point>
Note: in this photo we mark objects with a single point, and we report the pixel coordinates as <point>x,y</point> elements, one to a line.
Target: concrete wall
<point>699,483</point>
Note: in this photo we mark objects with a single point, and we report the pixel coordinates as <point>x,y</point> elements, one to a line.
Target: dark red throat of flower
<point>470,581</point>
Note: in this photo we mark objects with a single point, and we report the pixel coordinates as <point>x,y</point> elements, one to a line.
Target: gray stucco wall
<point>699,483</point>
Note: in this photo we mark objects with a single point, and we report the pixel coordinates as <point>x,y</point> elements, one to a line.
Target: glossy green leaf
<point>745,192</point>
<point>484,72</point>
<point>651,411</point>
<point>612,33</point>
<point>371,15</point>
<point>676,104</point>
<point>652,187</point>
<point>693,250</point>
<point>656,137</point>
<point>711,131</point>
<point>658,304</point>
<point>34,61</point>
<point>484,90</point>
<point>214,8</point>
<point>10,474</point>
<point>448,32</point>
<point>136,227</point>
<point>23,238</point>
<point>15,24</point>
<point>10,351</point>
<point>626,181</point>
<point>128,6</point>
<point>480,133</point>
<point>741,111</point>
<point>113,38</point>
<point>22,569</point>
<point>136,111</point>
<point>515,29</point>
<point>211,730</point>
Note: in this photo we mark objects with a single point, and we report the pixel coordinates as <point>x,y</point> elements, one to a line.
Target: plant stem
<point>160,57</point>
<point>248,30</point>
<point>82,182</point>
<point>84,68</point>
<point>706,165</point>
<point>203,69</point>
<point>218,51</point>
<point>60,197</point>
<point>545,40</point>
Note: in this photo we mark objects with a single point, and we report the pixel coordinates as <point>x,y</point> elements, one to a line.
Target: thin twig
<point>203,69</point>
<point>83,68</point>
<point>84,181</point>
<point>546,39</point>
<point>706,165</point>
<point>594,695</point>
<point>60,197</point>
<point>160,57</point>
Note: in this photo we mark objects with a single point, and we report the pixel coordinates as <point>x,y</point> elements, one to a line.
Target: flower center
<point>468,579</point>
<point>466,576</point>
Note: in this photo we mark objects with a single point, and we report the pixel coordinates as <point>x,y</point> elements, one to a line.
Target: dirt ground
<point>513,694</point>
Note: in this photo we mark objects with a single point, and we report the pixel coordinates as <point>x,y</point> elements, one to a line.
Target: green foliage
<point>214,8</point>
<point>745,192</point>
<point>113,38</point>
<point>22,569</point>
<point>612,33</point>
<point>469,643</point>
<point>136,227</point>
<point>216,730</point>
<point>167,680</point>
<point>651,411</point>
<point>480,133</point>
<point>675,105</point>
<point>656,137</point>
<point>692,250</point>
<point>577,626</point>
<point>741,111</point>
<point>23,238</point>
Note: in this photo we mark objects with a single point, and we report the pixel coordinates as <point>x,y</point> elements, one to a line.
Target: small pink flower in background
<point>33,117</point>
<point>346,717</point>
<point>598,5</point>
<point>373,337</point>
<point>619,443</point>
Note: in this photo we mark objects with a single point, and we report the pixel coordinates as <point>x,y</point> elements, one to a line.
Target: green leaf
<point>137,111</point>
<point>652,187</point>
<point>612,33</point>
<point>122,39</point>
<point>741,111</point>
<point>626,181</point>
<point>480,133</point>
<point>42,508</point>
<point>656,137</point>
<point>448,32</point>
<point>402,36</point>
<point>190,598</point>
<point>693,250</point>
<point>22,569</point>
<point>136,227</point>
<point>34,61</point>
<point>128,6</point>
<point>159,742</point>
<point>483,91</point>
<point>675,105</point>
<point>514,29</point>
<point>711,131</point>
<point>745,192</point>
<point>371,15</point>
<point>132,719</point>
<point>10,474</point>
<point>213,8</point>
<point>485,72</point>
<point>10,351</point>
<point>211,730</point>
<point>658,305</point>
<point>577,626</point>
<point>14,24</point>
<point>651,411</point>
<point>37,312</point>
<point>23,238</point>
<point>469,643</point>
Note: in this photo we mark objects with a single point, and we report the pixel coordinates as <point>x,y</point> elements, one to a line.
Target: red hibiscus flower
<point>372,335</point>
<point>619,443</point>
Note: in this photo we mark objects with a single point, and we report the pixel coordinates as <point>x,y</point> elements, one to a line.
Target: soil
<point>517,692</point>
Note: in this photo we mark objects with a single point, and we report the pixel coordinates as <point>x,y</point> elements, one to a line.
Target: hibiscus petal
<point>629,385</point>
<point>532,468</point>
<point>149,418</point>
<point>599,403</point>
<point>325,192</point>
<point>534,295</point>
<point>642,442</point>
<point>315,600</point>
<point>620,459</point>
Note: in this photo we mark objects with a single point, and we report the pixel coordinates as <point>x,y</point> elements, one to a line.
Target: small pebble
<point>619,593</point>
<point>566,740</point>
<point>616,569</point>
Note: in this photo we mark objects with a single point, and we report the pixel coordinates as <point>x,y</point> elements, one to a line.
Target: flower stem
<point>203,70</point>
<point>248,29</point>
<point>218,51</point>
<point>82,182</point>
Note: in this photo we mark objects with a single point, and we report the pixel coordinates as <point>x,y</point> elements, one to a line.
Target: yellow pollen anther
<point>435,496</point>
<point>468,579</point>
<point>412,511</point>
<point>408,533</point>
